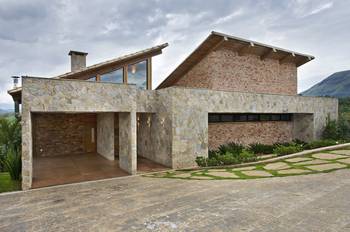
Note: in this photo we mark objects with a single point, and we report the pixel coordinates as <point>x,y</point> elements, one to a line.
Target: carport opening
<point>76,147</point>
<point>146,153</point>
<point>65,150</point>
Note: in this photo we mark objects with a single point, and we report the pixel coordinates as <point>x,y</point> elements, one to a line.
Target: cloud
<point>36,35</point>
<point>229,17</point>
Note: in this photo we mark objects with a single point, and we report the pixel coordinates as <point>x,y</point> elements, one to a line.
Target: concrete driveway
<point>318,202</point>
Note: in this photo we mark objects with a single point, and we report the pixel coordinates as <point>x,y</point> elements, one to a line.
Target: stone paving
<point>296,203</point>
<point>328,156</point>
<point>307,164</point>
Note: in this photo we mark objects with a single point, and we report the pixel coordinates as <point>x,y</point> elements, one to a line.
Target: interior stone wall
<point>246,133</point>
<point>224,69</point>
<point>116,134</point>
<point>105,135</point>
<point>145,143</point>
<point>56,134</point>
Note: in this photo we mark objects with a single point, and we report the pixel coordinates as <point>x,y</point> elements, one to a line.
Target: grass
<point>261,167</point>
<point>8,185</point>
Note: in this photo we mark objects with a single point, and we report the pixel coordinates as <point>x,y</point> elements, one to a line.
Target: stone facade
<point>249,132</point>
<point>224,69</point>
<point>176,118</point>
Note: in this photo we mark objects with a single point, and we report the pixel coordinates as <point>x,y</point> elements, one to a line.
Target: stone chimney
<point>77,60</point>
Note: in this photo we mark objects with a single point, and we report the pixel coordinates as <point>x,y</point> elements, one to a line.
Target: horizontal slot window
<point>216,118</point>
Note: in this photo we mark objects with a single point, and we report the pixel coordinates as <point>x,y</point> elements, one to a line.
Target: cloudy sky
<point>35,36</point>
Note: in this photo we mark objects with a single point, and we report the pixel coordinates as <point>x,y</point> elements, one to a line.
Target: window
<point>215,118</point>
<point>115,76</point>
<point>92,79</point>
<point>137,74</point>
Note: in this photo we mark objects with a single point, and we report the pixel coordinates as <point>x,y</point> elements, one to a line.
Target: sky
<point>36,35</point>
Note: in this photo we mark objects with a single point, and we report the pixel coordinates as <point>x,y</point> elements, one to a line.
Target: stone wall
<point>105,135</point>
<point>145,143</point>
<point>116,134</point>
<point>224,69</point>
<point>190,123</point>
<point>249,132</point>
<point>57,134</point>
<point>179,122</point>
<point>127,142</point>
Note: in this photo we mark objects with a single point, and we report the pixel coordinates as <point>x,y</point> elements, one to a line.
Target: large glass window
<point>115,76</point>
<point>137,74</point>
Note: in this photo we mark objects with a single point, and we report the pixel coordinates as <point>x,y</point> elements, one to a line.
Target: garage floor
<point>49,171</point>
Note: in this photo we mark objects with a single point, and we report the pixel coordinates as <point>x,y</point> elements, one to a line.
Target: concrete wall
<point>105,135</point>
<point>224,69</point>
<point>249,132</point>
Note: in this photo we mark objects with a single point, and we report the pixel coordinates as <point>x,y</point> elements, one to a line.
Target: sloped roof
<point>242,46</point>
<point>153,51</point>
<point>103,66</point>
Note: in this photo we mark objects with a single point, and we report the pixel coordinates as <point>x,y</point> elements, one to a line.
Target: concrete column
<point>128,142</point>
<point>105,135</point>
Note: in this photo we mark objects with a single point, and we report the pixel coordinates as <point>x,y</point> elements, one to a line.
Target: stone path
<point>308,164</point>
<point>296,203</point>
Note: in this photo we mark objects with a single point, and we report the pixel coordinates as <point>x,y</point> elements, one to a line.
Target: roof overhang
<point>241,46</point>
<point>16,94</point>
<point>113,64</point>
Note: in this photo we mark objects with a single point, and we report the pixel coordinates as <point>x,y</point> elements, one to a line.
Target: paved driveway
<point>319,202</point>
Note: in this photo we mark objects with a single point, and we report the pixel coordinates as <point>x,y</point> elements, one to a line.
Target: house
<point>228,89</point>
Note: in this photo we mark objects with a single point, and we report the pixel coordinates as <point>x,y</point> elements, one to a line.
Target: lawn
<point>8,185</point>
<point>321,162</point>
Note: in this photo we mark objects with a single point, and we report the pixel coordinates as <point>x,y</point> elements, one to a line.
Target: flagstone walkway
<point>309,164</point>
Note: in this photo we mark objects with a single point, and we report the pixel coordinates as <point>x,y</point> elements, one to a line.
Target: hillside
<point>336,85</point>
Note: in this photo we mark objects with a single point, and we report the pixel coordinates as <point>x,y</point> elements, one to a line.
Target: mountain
<point>336,85</point>
<point>5,112</point>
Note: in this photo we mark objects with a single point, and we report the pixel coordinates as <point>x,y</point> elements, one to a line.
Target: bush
<point>320,143</point>
<point>344,129</point>
<point>234,148</point>
<point>227,154</point>
<point>285,150</point>
<point>259,148</point>
<point>12,163</point>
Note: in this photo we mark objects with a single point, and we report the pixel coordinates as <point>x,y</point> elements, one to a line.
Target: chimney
<point>77,60</point>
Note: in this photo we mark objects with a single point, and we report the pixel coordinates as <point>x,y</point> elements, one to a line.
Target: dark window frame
<point>248,117</point>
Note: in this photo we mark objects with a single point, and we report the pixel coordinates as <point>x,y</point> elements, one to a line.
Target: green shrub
<point>320,143</point>
<point>216,158</point>
<point>234,148</point>
<point>258,148</point>
<point>285,150</point>
<point>344,129</point>
<point>13,164</point>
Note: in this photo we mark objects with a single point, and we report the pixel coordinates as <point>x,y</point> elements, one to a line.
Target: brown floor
<point>49,171</point>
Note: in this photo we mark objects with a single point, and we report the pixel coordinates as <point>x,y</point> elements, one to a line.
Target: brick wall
<point>249,132</point>
<point>61,134</point>
<point>224,69</point>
